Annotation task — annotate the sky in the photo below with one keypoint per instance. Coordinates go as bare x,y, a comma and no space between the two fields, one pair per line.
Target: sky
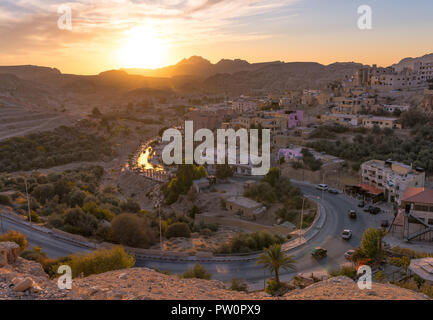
111,34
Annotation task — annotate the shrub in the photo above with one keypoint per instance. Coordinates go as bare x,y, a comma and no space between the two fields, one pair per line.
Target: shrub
347,271
178,229
198,271
244,243
402,262
13,236
5,200
132,230
78,222
272,286
239,285
98,261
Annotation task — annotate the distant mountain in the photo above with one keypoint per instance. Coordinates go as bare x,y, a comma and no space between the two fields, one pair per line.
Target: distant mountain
29,72
409,62
199,67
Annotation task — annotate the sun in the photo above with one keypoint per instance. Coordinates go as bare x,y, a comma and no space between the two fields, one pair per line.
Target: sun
142,48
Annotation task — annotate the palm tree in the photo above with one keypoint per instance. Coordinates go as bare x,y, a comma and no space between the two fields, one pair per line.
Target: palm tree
274,259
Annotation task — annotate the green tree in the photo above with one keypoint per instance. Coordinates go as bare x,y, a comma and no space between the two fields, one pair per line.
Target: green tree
132,230
274,258
371,244
198,271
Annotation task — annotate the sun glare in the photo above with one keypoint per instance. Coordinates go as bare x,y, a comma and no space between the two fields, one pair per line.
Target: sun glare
142,49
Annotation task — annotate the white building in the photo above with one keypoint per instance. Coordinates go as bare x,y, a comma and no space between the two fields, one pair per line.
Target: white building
391,177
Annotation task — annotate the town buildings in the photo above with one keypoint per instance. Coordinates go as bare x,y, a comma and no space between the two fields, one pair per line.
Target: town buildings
414,220
393,178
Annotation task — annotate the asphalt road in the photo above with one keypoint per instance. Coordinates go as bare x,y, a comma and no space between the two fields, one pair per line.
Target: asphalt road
52,246
336,206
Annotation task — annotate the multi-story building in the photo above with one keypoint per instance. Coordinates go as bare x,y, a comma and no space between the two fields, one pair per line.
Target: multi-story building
385,79
391,108
349,105
244,105
381,122
391,177
342,119
414,220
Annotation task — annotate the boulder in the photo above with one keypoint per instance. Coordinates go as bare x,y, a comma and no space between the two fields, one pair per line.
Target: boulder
9,252
24,285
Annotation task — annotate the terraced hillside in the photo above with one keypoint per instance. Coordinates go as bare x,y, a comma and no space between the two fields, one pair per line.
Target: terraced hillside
16,121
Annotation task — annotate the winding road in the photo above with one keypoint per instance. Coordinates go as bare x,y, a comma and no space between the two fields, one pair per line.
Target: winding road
329,237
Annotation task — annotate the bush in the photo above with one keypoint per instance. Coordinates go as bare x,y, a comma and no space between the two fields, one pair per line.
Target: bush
402,262
5,200
132,230
347,271
13,236
239,285
78,222
98,261
178,229
272,286
198,272
245,243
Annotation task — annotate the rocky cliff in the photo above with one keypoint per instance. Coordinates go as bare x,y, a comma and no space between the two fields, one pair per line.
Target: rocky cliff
23,279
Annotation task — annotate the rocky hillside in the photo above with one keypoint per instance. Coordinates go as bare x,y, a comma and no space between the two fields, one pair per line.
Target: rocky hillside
23,279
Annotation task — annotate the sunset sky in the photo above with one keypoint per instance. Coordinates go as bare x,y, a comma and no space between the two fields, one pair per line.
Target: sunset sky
110,34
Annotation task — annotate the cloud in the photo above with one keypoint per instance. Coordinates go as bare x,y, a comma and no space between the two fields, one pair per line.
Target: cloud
30,26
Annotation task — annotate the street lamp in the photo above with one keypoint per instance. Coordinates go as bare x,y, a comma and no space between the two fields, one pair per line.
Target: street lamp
28,203
302,217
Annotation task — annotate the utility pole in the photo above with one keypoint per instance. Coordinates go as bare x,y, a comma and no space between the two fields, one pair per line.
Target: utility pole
28,203
1,223
302,218
160,226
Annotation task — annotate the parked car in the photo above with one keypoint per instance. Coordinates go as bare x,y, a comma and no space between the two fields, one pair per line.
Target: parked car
333,191
322,187
319,252
348,254
374,210
361,204
347,234
384,224
352,214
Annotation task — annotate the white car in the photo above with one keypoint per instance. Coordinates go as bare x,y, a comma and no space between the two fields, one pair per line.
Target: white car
347,234
348,254
322,187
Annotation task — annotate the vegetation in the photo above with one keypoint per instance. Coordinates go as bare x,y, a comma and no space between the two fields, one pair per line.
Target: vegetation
5,200
416,150
274,259
178,229
346,271
238,285
371,247
51,148
402,262
13,236
198,271
181,184
250,242
131,230
96,262
308,159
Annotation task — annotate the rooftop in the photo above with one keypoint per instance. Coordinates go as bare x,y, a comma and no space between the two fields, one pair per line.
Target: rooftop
418,195
244,202
423,268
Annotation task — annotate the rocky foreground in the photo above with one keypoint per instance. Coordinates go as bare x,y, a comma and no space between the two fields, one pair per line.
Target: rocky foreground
23,279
